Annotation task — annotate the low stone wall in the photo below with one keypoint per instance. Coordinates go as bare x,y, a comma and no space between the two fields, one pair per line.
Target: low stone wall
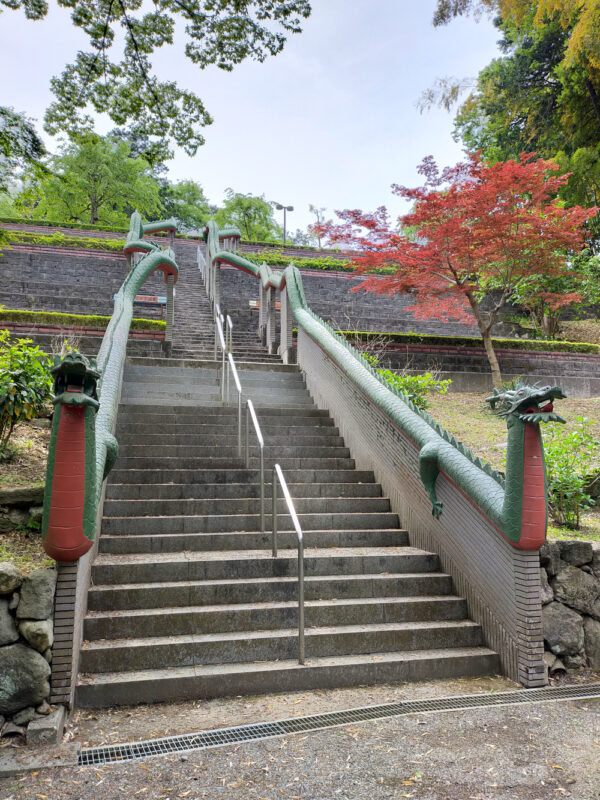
570,591
26,638
22,505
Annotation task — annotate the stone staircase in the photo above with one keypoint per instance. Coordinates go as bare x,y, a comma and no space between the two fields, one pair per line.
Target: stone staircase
186,599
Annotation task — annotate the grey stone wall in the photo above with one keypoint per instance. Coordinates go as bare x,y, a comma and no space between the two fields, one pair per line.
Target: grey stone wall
26,639
59,280
570,592
501,584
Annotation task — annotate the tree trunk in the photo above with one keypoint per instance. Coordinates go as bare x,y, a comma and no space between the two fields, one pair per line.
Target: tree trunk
486,335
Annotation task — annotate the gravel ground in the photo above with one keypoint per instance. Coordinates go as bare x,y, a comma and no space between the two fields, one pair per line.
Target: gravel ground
532,752
546,751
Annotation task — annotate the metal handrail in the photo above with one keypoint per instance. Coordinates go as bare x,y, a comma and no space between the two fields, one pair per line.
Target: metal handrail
251,414
219,333
278,476
231,367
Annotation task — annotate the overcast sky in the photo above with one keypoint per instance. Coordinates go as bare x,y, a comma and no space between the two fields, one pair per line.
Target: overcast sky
331,121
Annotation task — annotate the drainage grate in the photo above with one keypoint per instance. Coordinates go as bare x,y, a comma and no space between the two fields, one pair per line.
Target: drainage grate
93,756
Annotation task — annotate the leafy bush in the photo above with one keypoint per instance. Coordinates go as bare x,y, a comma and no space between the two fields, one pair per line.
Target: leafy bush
326,263
570,453
55,224
25,383
473,341
414,387
81,320
59,239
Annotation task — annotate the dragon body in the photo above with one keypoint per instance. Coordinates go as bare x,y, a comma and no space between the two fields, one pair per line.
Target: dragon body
83,449
515,506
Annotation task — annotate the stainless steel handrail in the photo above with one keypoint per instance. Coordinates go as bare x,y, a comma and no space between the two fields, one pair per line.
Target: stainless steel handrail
251,414
219,333
278,476
231,367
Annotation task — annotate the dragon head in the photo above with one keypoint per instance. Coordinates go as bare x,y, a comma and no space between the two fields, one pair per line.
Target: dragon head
75,380
527,403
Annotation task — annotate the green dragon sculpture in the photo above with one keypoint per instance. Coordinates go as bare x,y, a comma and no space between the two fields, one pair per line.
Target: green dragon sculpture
82,447
506,504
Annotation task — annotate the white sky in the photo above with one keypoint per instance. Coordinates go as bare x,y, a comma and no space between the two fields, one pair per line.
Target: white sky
331,121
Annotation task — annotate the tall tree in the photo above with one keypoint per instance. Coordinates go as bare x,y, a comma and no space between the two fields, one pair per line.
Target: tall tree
20,146
186,201
475,228
93,180
252,214
222,33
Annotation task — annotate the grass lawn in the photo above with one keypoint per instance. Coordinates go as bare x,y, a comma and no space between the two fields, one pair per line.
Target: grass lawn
28,467
467,417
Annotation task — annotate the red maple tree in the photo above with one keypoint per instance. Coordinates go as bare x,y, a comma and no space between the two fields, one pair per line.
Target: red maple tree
475,229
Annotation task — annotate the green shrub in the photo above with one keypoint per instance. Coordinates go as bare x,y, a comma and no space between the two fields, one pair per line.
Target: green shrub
25,383
570,453
414,387
59,239
326,263
473,341
83,320
55,224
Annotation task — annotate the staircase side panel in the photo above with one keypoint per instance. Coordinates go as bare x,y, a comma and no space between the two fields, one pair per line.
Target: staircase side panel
501,584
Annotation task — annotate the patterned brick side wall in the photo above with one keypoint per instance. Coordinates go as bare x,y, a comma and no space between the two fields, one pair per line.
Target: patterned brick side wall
501,584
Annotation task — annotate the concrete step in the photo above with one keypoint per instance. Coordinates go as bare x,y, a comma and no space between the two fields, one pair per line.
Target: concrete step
228,449
148,411
269,616
200,681
132,423
195,363
199,491
218,505
286,464
121,655
169,594
247,564
248,540
308,437
236,475
217,523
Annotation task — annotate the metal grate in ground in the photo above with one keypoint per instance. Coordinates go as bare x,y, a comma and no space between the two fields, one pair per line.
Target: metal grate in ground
94,756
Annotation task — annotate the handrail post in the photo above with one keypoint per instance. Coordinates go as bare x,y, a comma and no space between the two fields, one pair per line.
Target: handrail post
170,315
262,489
270,340
247,448
239,424
262,314
274,538
300,599
285,340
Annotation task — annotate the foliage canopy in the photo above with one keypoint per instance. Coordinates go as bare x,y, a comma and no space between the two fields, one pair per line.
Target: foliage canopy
475,228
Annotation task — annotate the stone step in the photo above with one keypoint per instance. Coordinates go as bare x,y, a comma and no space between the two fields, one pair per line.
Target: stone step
192,620
200,681
218,505
216,523
144,410
308,437
235,565
121,655
229,450
286,464
192,476
248,540
159,424
273,364
199,491
169,594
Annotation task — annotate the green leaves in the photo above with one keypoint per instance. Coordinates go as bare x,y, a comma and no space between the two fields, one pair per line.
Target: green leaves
223,33
572,454
25,383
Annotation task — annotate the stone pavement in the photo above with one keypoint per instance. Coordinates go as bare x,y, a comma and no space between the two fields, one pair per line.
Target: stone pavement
534,752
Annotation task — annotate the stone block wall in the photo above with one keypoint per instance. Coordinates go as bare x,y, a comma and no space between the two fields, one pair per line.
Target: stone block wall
26,639
570,593
501,584
59,280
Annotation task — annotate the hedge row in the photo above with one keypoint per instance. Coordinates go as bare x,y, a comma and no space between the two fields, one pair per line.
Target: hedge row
83,320
326,263
74,225
473,341
60,240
